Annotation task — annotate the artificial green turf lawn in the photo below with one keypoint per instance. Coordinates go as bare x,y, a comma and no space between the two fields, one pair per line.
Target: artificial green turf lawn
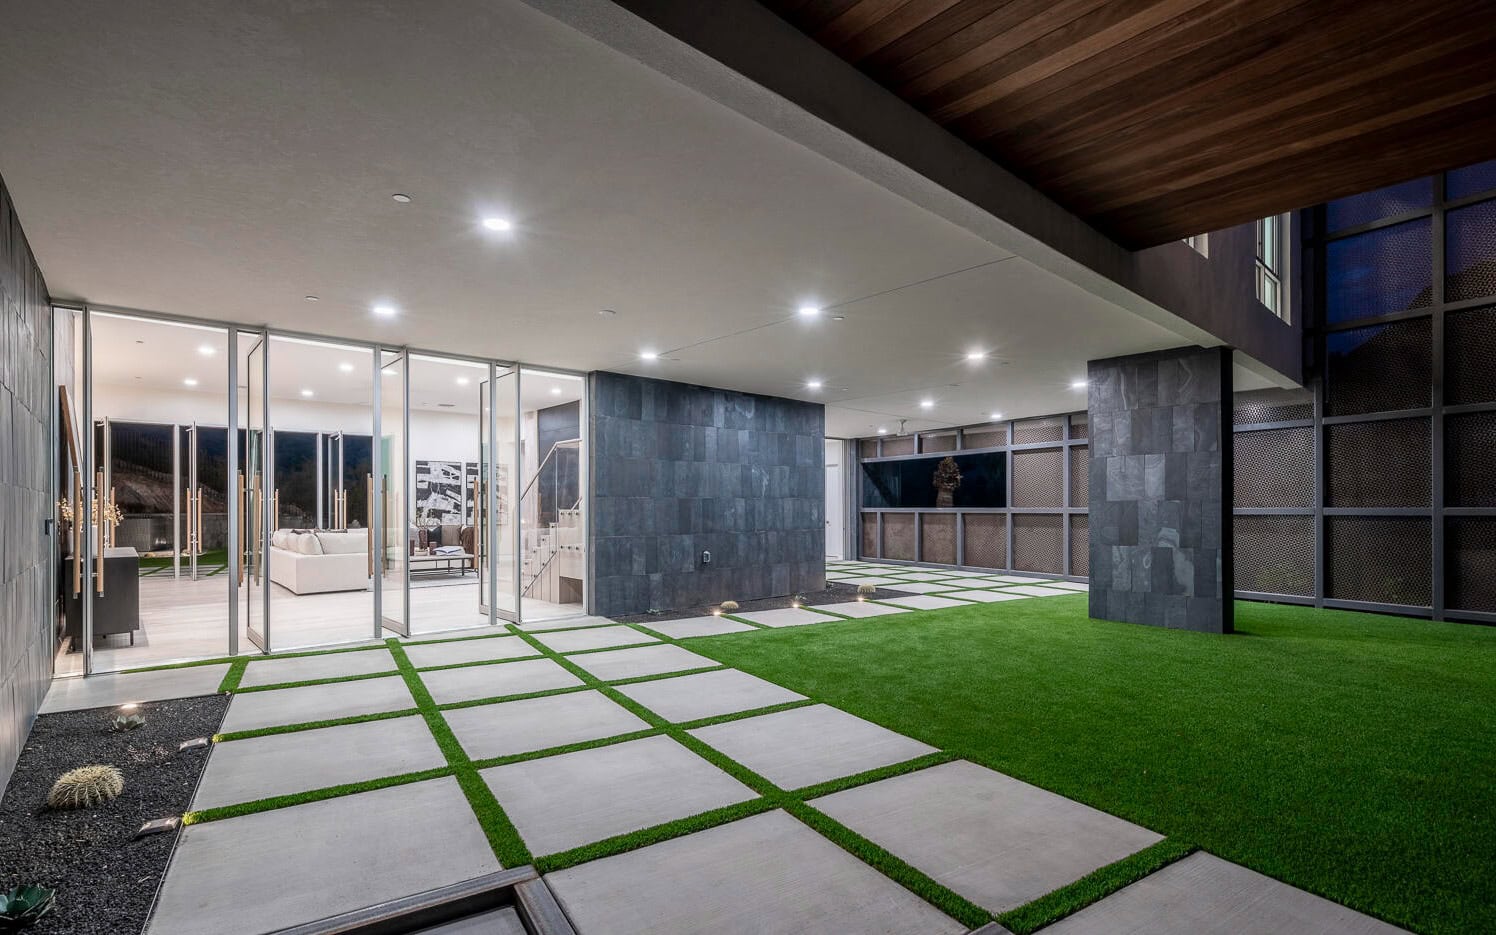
1353,755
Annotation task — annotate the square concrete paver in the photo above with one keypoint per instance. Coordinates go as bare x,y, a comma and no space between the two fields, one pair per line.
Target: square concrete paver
924,602
269,670
986,597
874,580
708,694
1071,585
448,686
458,652
804,746
641,661
697,626
1033,590
281,764
785,617
571,641
282,706
1205,895
288,866
512,727
860,609
925,576
997,841
100,691
565,623
1019,579
978,581
764,874
918,587
561,802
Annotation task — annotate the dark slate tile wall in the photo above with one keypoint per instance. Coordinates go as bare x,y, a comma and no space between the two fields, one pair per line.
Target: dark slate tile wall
1160,498
678,469
25,413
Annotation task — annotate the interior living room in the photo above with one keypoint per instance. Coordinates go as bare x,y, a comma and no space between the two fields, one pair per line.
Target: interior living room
479,496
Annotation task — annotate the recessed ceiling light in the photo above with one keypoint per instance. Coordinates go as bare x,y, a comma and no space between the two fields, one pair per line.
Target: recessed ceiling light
401,197
606,312
497,224
809,311
1078,384
975,356
463,381
555,391
310,298
927,404
189,381
995,416
306,392
346,367
207,350
385,310
882,431
838,318
649,355
813,384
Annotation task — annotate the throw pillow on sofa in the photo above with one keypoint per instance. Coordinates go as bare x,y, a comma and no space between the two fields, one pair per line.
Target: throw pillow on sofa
343,543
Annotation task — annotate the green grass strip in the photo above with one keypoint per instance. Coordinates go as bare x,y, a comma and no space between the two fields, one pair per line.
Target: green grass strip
331,680
634,840
315,795
874,775
311,725
231,678
1094,886
564,748
503,837
741,715
522,696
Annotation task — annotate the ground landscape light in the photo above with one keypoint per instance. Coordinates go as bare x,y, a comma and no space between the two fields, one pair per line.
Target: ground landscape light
401,197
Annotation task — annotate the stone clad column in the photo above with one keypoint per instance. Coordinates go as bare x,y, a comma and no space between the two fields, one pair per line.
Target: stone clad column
1161,489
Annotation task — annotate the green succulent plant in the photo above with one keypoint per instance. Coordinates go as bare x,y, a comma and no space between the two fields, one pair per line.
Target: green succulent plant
124,722
86,787
23,905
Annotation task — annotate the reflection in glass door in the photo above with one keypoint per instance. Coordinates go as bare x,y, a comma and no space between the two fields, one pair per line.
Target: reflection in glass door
394,522
255,481
503,479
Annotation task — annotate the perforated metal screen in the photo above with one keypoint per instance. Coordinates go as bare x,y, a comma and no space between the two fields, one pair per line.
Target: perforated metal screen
984,438
1383,559
1470,459
1080,475
1379,369
898,445
1080,425
1274,467
986,540
1038,542
898,536
945,441
1385,463
869,538
1470,252
937,535
1274,554
1470,562
1080,545
868,448
1470,350
1253,407
1030,431
1038,477
1378,272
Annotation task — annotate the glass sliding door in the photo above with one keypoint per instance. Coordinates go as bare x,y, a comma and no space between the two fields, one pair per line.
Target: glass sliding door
253,488
502,472
551,548
396,538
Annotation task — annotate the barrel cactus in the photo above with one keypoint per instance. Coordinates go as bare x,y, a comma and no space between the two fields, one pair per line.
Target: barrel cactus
867,589
86,787
728,607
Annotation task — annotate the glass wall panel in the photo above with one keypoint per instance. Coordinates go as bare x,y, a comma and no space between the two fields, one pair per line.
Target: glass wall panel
980,481
552,553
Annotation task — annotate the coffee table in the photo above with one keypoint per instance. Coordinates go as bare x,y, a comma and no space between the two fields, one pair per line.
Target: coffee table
454,562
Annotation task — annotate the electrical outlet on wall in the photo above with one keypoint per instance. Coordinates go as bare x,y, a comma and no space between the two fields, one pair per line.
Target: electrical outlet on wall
706,557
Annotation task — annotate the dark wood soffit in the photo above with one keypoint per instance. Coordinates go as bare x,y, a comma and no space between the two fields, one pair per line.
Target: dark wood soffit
1157,119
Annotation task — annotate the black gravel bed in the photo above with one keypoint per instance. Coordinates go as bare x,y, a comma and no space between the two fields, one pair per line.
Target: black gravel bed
104,880
835,592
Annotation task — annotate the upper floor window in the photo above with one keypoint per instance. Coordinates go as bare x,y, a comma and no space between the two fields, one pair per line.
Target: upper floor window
1199,243
1270,264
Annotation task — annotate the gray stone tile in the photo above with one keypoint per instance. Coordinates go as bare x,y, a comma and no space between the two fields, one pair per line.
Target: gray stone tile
571,641
924,602
860,609
640,661
320,859
1204,895
764,874
100,691
697,626
707,694
561,802
1032,590
448,686
512,727
280,764
919,587
785,617
986,597
282,706
270,670
804,746
926,576
461,651
997,841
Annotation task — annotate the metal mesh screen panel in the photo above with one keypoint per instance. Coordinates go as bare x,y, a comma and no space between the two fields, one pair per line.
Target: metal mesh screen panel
1080,425
1470,252
985,540
1029,431
868,448
1383,203
1080,475
898,536
937,538
1469,469
1470,563
901,445
1038,542
1274,554
1274,467
1385,270
1379,369
984,438
1378,558
1252,407
945,441
1080,545
1038,477
1471,180
1469,349
1385,463
869,539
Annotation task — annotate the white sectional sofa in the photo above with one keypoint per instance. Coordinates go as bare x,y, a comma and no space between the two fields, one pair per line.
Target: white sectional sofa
321,561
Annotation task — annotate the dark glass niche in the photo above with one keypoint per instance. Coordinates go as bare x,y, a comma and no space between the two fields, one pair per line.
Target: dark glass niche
910,483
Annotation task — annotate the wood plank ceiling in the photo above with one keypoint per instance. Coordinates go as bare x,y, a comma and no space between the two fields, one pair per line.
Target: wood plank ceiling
1157,119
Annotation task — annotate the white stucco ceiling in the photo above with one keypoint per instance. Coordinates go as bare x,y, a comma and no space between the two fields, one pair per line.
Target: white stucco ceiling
224,160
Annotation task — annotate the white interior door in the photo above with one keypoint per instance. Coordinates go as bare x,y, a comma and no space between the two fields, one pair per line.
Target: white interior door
836,516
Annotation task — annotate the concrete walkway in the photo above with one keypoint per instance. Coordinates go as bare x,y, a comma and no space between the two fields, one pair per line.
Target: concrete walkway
754,802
